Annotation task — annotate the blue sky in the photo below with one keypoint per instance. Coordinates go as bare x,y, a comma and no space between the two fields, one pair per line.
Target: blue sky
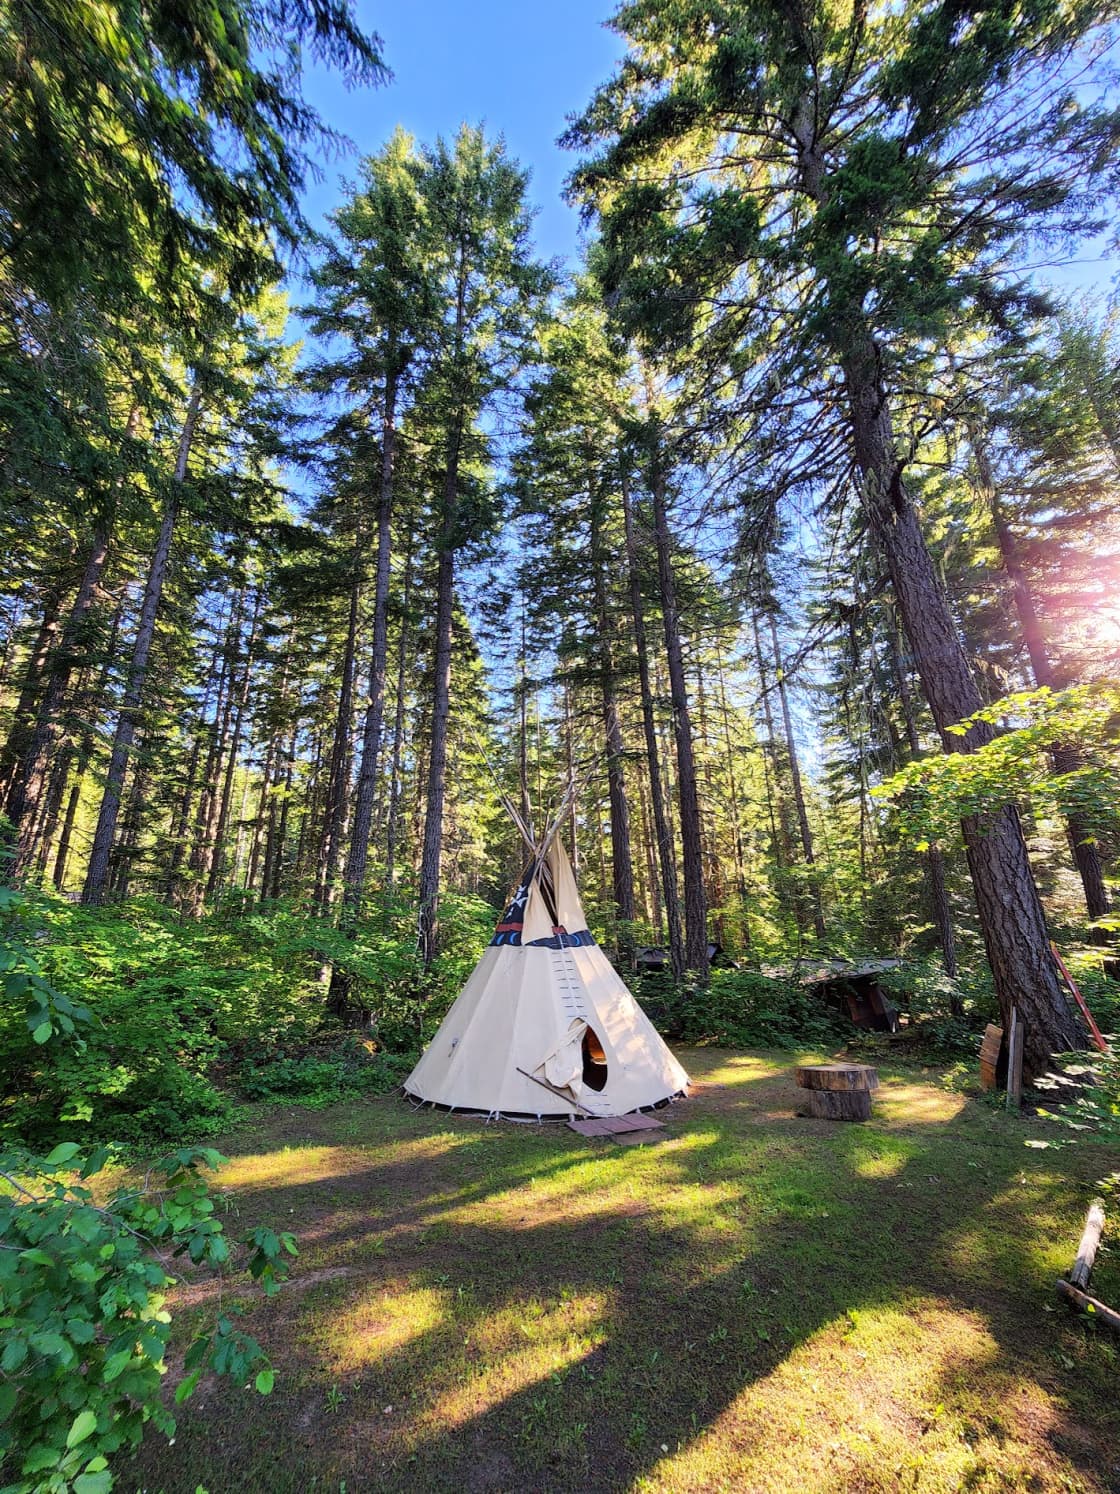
518,66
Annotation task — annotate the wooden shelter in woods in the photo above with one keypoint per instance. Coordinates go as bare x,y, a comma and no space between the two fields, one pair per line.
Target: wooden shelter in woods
545,1026
856,990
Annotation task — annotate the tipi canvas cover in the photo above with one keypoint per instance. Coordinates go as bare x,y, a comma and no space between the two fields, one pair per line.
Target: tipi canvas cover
545,1026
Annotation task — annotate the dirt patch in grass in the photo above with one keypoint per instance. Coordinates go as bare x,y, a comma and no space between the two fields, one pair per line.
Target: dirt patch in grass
751,1301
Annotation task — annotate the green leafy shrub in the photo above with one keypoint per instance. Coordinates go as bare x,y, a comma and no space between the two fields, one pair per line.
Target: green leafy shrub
741,1008
944,1015
173,1014
315,1080
82,1314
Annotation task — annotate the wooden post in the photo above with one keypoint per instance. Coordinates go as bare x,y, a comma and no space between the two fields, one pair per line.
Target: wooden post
1015,1061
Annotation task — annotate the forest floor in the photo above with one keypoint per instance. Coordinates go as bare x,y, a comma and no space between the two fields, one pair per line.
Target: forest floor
752,1301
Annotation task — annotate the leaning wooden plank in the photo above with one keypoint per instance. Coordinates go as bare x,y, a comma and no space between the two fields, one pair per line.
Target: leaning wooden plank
1087,1250
839,1105
1089,1305
838,1076
990,1046
1094,1030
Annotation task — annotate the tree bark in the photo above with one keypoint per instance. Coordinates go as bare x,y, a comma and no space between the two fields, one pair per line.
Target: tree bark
1064,756
935,861
98,870
338,776
622,870
218,852
428,930
432,844
803,826
393,830
692,850
202,847
23,717
357,861
1011,915
663,833
31,777
732,783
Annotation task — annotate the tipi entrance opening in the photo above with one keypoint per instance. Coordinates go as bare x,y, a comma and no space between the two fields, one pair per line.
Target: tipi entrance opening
594,1061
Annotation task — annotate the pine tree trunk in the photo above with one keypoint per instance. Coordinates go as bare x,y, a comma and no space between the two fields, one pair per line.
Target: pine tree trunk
428,932
338,776
781,835
1007,899
1065,757
218,854
714,883
279,851
358,860
935,862
23,716
202,849
62,855
692,850
803,827
98,870
262,822
393,831
732,783
622,871
665,850
569,753
32,773
649,847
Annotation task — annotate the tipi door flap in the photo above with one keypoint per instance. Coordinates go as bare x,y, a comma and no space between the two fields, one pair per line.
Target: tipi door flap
563,1066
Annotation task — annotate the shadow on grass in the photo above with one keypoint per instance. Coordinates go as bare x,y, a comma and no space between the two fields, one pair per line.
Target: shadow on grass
744,1304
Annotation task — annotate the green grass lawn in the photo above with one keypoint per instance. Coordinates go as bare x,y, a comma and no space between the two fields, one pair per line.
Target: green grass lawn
751,1302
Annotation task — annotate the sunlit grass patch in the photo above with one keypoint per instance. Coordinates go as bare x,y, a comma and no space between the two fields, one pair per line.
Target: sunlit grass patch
913,1104
750,1302
865,1402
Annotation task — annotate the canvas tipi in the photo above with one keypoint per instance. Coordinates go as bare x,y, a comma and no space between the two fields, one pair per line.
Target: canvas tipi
545,1026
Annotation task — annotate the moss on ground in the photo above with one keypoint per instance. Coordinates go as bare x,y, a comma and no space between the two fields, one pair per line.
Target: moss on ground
750,1302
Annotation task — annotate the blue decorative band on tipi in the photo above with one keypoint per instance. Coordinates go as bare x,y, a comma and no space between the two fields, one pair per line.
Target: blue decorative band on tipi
510,933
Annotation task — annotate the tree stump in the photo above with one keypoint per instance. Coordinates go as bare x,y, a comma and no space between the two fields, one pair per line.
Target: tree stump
838,1104
837,1091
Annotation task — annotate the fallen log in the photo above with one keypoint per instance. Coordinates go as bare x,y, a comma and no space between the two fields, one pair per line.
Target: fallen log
1089,1305
1087,1250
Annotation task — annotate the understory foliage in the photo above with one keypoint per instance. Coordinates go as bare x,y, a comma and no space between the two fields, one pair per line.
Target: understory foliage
178,1022
83,1278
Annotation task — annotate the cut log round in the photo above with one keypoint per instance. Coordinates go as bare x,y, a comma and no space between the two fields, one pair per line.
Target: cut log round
837,1076
838,1104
